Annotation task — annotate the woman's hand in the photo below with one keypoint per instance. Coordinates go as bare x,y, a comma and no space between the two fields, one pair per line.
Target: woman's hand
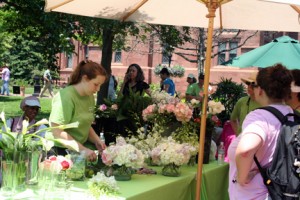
100,146
90,155
126,77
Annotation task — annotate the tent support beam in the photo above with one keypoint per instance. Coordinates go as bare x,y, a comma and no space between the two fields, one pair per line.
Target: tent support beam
296,8
59,5
212,5
140,4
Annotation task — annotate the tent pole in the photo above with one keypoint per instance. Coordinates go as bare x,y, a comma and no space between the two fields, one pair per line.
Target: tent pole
212,5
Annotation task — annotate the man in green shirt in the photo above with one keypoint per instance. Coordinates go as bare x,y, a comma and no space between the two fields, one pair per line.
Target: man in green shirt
244,105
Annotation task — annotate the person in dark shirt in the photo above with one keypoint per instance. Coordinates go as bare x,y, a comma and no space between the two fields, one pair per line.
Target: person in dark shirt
134,79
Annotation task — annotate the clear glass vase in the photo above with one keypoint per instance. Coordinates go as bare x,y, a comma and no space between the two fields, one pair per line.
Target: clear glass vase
33,159
171,170
122,173
77,171
7,173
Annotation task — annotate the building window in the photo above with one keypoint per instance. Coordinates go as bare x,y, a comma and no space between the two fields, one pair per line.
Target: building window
165,58
229,53
233,51
221,56
69,60
86,51
118,56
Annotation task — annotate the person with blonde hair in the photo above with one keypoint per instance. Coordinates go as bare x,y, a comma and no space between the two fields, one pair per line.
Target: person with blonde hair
260,131
76,103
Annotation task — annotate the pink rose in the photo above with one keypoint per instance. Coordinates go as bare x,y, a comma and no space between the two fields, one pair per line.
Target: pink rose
102,107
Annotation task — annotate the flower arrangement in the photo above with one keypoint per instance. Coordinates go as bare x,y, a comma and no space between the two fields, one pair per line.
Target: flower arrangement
166,108
146,142
122,154
171,152
106,111
56,164
100,185
178,71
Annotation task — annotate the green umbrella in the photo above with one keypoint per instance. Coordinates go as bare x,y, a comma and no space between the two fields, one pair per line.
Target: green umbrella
284,50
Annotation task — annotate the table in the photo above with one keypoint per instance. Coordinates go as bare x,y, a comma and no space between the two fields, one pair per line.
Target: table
156,187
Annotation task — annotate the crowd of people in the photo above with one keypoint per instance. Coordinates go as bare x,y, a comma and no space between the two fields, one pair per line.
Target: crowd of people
256,129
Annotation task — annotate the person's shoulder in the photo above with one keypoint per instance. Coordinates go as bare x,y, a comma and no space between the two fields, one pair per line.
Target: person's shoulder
243,99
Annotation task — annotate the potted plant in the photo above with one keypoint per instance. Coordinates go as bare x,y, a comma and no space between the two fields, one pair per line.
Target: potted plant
20,84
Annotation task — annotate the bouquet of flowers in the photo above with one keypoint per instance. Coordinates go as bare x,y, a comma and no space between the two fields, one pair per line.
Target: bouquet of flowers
146,142
166,108
100,185
56,164
171,152
122,154
106,111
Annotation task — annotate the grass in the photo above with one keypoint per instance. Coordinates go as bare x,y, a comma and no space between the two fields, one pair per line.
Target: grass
11,105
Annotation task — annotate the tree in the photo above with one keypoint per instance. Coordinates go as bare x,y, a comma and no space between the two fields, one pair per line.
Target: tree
195,53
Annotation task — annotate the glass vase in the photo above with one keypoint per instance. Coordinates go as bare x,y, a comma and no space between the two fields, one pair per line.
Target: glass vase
19,171
122,173
7,173
192,161
33,160
171,170
77,171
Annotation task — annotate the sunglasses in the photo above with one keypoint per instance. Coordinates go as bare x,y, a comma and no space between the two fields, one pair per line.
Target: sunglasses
252,84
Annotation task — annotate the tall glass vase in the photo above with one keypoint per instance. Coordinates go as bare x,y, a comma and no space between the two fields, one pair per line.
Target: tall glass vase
33,158
7,172
19,171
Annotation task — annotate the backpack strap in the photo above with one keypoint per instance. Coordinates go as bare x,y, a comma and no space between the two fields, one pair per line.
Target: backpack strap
275,112
282,119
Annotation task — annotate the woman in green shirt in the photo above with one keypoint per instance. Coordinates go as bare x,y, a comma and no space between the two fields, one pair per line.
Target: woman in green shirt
76,103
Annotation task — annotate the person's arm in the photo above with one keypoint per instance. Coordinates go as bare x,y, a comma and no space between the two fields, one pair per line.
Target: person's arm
94,138
190,97
166,87
246,149
234,124
62,134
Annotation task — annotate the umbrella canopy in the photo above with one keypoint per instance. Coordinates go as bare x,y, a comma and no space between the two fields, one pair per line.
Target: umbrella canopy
283,50
238,14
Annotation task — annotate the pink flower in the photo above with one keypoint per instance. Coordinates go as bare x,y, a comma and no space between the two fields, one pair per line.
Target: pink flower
114,107
106,159
148,111
102,107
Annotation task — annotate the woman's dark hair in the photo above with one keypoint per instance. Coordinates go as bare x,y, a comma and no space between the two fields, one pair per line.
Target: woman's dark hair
164,71
140,74
296,78
89,68
275,81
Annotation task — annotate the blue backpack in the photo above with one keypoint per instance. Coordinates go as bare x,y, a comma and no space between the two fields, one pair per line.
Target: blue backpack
282,177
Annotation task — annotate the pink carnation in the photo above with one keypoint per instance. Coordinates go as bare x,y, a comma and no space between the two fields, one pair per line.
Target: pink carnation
102,107
148,111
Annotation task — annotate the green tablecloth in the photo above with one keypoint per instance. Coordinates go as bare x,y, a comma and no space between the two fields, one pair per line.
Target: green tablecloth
156,187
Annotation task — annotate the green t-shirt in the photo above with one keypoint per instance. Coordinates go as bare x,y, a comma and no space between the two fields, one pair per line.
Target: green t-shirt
194,90
242,107
68,106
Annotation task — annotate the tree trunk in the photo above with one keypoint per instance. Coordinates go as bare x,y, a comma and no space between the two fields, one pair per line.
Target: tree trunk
107,38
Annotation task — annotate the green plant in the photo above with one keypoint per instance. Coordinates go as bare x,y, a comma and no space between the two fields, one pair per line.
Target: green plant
228,93
21,82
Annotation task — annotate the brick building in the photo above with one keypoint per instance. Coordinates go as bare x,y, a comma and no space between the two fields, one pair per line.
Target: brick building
140,55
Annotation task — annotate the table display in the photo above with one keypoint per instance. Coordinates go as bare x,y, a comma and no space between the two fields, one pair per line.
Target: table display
149,187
